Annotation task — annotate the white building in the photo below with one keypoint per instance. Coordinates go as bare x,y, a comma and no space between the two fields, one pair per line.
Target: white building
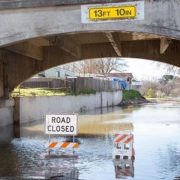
56,72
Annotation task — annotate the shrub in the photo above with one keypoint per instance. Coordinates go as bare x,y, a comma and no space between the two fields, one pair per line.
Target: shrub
131,94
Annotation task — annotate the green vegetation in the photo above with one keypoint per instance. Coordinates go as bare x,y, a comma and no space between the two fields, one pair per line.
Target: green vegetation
131,95
151,93
84,91
37,92
47,92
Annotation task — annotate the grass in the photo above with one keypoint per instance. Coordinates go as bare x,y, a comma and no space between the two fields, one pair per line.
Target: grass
84,91
131,95
47,92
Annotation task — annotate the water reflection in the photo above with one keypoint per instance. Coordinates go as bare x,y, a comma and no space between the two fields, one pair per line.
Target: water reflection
112,120
62,174
6,134
124,168
155,129
123,154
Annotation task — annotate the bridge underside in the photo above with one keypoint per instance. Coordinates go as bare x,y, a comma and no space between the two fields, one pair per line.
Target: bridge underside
38,34
22,60
35,39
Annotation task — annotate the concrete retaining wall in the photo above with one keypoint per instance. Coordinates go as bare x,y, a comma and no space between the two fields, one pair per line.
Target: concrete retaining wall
35,108
6,112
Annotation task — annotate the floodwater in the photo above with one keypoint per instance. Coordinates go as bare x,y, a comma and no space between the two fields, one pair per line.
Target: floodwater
156,130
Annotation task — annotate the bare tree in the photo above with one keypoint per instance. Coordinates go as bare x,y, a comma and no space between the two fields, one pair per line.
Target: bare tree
147,85
97,66
170,69
166,86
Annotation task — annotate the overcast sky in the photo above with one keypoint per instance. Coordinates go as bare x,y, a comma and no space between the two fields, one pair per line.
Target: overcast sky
145,69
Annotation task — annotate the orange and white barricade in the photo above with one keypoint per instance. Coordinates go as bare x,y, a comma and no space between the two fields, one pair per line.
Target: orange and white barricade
123,146
55,144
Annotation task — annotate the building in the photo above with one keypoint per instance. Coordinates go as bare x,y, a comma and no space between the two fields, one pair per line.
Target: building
56,72
124,76
136,84
55,77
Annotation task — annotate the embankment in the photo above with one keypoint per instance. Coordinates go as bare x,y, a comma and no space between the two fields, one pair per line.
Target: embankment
6,111
132,97
36,108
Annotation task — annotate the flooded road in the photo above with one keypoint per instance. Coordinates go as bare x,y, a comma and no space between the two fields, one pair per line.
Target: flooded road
156,130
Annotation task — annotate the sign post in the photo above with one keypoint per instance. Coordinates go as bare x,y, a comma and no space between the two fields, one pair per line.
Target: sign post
63,125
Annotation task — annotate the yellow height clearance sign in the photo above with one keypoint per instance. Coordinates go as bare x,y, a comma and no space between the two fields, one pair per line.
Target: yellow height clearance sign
117,12
111,12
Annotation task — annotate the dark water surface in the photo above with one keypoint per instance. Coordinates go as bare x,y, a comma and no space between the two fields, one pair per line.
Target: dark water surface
156,129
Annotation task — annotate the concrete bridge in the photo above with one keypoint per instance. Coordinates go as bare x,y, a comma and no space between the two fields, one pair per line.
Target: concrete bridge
38,34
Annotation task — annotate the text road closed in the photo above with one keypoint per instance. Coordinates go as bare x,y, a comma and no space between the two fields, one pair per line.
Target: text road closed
61,124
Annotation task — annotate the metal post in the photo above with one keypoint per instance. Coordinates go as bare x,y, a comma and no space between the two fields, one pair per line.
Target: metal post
49,140
73,143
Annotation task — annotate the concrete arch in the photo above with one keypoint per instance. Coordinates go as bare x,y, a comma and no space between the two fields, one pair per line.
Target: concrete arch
36,22
35,39
22,66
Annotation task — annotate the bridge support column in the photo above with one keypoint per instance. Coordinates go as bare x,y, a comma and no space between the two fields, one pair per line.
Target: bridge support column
6,111
6,104
4,87
1,76
16,117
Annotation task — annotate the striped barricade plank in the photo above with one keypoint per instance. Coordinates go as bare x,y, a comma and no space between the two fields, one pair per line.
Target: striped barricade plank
55,144
52,144
123,138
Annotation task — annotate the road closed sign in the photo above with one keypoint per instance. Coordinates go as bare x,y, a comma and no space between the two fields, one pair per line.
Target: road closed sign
61,124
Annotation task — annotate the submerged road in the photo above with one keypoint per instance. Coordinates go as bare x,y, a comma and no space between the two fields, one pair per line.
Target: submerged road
156,143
